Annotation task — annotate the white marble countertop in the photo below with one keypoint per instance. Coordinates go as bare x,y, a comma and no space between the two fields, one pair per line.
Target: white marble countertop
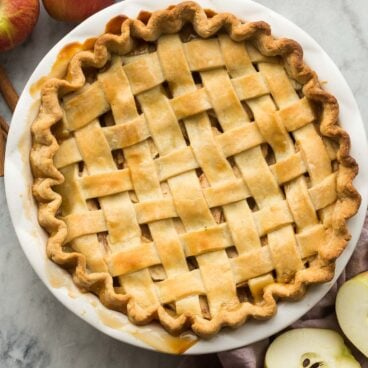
36,330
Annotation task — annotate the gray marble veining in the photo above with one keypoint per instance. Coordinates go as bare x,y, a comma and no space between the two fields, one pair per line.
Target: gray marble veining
36,331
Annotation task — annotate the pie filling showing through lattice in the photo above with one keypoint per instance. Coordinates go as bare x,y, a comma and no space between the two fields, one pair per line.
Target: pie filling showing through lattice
195,174
198,186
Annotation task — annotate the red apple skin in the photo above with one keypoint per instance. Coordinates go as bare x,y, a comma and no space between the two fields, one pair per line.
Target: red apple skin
17,20
74,11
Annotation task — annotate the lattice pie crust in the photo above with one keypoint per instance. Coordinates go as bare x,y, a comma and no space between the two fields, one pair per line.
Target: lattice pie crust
191,170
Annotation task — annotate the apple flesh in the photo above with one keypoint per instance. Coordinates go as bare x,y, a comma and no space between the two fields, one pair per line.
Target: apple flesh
352,311
74,11
17,20
309,348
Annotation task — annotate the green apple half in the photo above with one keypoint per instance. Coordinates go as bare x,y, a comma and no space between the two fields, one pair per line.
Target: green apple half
352,311
309,348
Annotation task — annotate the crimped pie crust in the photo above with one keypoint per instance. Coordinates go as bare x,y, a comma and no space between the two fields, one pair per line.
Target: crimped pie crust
315,175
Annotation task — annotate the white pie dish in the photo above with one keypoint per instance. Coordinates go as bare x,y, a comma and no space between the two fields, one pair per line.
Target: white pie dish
23,210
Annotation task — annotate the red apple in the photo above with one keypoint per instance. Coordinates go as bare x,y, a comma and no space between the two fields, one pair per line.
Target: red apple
17,19
74,10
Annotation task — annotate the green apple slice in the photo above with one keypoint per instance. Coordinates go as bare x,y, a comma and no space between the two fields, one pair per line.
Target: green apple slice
352,311
309,348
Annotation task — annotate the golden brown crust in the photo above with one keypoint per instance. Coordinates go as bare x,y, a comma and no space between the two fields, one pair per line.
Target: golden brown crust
46,175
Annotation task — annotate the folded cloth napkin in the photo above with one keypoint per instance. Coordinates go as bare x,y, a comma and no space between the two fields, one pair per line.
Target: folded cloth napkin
321,316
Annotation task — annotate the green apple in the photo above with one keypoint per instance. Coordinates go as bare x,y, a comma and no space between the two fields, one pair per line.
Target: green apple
352,311
309,348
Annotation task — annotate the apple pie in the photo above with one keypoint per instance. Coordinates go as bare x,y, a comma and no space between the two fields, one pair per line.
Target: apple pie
190,169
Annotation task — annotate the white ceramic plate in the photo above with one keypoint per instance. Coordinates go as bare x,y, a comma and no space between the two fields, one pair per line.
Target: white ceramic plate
32,239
